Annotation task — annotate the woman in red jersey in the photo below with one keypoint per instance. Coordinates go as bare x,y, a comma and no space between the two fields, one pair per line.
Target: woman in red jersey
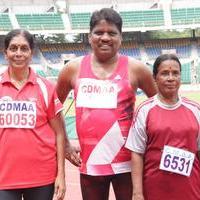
164,140
32,132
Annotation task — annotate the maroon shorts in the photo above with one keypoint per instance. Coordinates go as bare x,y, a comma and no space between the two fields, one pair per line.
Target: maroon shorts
97,187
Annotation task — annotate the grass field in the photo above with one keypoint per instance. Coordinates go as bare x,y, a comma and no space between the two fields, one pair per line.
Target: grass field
193,95
70,111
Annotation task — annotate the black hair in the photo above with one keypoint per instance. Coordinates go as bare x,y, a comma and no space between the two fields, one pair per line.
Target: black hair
15,32
108,14
163,58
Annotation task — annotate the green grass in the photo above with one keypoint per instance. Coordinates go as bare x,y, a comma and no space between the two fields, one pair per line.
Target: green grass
192,95
69,109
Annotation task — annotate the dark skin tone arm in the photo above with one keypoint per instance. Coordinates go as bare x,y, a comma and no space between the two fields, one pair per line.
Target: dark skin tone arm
66,79
65,84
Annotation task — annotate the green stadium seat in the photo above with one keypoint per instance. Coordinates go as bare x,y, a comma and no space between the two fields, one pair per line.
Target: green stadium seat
185,16
80,20
48,21
145,18
5,23
186,73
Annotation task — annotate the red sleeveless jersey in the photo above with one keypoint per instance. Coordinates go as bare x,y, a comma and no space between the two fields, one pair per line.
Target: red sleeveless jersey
104,112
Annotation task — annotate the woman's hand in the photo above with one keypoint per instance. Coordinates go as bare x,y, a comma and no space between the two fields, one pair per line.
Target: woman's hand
60,187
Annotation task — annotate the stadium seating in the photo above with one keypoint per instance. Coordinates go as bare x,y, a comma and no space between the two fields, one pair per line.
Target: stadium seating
130,49
144,18
186,73
198,46
5,23
80,20
185,16
2,59
155,48
53,52
198,72
46,21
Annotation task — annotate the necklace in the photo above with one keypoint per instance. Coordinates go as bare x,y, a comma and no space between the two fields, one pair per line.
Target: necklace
18,83
18,79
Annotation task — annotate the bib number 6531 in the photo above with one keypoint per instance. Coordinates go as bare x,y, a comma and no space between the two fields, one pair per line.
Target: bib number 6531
177,160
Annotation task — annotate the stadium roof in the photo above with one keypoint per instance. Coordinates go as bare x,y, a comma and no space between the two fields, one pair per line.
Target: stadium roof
7,3
77,2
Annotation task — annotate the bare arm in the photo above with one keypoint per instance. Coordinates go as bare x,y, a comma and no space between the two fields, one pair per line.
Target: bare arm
58,127
65,84
137,175
66,79
141,77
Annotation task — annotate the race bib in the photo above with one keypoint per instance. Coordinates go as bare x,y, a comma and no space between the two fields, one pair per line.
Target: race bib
177,160
17,114
97,94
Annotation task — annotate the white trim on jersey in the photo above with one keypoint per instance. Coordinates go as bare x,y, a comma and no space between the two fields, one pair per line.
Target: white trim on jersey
195,108
121,167
44,90
137,136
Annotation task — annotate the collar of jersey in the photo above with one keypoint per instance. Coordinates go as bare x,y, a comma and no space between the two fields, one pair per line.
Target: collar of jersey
168,106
